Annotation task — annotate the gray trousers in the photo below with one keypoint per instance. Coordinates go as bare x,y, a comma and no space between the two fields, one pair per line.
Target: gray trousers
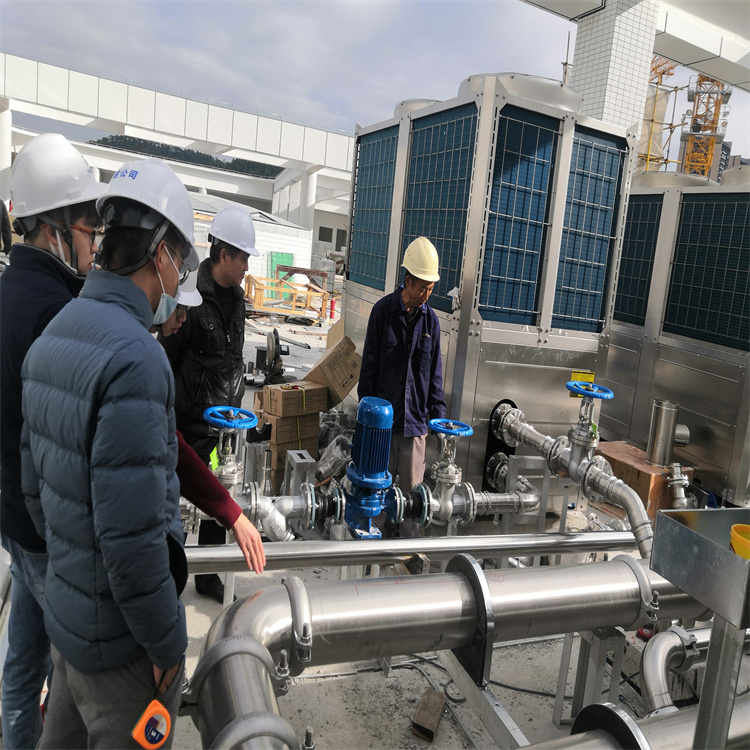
407,460
100,709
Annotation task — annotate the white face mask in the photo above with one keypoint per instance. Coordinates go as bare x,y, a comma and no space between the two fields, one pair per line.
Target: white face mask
167,303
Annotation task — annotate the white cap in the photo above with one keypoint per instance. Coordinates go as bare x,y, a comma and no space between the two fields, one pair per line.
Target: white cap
187,292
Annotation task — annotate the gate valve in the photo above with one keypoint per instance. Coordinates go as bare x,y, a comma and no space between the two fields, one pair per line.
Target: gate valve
448,432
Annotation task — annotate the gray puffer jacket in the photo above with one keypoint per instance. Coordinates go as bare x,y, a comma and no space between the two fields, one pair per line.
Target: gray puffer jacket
98,457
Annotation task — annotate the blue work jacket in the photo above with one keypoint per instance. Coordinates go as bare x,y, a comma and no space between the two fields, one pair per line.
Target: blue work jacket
411,379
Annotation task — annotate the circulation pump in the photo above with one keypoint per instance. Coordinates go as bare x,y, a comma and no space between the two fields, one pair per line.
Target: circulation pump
370,490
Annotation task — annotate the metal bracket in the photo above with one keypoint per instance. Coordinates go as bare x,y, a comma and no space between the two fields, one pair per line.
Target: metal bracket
255,724
649,598
476,658
613,720
236,645
301,624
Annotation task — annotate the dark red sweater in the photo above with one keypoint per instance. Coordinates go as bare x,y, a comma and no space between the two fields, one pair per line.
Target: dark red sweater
199,485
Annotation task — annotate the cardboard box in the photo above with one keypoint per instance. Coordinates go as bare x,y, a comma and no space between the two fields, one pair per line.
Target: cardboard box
650,482
335,333
257,402
286,429
295,399
279,451
338,370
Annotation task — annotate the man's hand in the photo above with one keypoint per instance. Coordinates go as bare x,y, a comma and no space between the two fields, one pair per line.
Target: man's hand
163,678
249,541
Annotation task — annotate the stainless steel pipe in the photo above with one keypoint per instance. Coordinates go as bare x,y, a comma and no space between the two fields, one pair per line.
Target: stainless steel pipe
672,731
661,433
670,650
282,555
370,618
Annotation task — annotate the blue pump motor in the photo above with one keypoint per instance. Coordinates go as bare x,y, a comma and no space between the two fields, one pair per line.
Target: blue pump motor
368,470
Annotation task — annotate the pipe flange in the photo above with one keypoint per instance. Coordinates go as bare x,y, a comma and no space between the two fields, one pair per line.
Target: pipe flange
649,597
400,503
597,462
510,416
559,447
301,624
235,645
254,724
613,720
496,420
339,503
307,491
250,493
425,517
467,490
497,470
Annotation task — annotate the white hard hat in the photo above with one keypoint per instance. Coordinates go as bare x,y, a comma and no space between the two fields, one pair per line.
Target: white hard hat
153,184
234,226
187,292
421,260
50,173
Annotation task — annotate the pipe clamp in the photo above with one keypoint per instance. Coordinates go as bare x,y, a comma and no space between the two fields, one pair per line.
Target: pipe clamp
301,624
649,597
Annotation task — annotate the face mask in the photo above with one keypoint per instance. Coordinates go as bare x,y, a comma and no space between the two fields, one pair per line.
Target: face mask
167,303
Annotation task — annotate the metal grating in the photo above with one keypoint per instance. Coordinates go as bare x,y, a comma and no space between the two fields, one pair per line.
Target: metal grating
372,207
588,235
637,260
437,195
518,216
709,295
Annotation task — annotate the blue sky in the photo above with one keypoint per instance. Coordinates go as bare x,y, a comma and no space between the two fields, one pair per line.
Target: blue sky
326,64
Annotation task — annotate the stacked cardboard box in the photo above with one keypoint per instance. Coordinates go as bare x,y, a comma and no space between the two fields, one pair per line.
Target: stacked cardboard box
293,411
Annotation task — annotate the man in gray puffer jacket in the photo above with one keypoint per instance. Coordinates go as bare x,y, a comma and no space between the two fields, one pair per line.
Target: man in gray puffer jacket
98,456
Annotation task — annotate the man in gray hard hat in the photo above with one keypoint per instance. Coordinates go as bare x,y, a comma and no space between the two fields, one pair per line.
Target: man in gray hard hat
401,364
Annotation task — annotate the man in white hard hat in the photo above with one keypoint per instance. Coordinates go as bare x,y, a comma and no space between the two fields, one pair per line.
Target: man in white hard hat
99,452
198,484
54,192
401,364
206,353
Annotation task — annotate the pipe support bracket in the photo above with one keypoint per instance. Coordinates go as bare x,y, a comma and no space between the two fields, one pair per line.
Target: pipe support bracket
302,638
235,645
255,724
613,720
649,597
476,658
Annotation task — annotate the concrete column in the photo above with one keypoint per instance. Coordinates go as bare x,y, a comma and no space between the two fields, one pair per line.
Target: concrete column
6,147
612,60
308,188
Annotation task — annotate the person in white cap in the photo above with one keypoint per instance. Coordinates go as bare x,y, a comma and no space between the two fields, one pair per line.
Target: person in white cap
54,194
401,364
197,482
98,453
206,352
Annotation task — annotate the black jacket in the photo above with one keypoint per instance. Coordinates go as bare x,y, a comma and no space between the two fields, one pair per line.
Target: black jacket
206,356
6,233
33,289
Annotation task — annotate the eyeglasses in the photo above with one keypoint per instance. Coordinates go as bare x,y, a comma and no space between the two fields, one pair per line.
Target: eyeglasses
93,233
183,273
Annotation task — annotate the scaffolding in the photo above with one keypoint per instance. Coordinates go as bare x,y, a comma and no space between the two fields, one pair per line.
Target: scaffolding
653,150
707,123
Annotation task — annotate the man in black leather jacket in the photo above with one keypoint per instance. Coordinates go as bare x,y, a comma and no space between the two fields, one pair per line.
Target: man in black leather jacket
206,353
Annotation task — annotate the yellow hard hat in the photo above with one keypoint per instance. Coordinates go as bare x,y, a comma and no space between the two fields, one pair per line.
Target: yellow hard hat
421,260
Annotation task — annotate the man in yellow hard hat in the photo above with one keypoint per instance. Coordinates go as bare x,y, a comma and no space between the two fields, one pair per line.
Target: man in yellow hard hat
401,364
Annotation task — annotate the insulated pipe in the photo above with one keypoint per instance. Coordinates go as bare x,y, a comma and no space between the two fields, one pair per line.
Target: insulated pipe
670,650
673,731
283,555
380,617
